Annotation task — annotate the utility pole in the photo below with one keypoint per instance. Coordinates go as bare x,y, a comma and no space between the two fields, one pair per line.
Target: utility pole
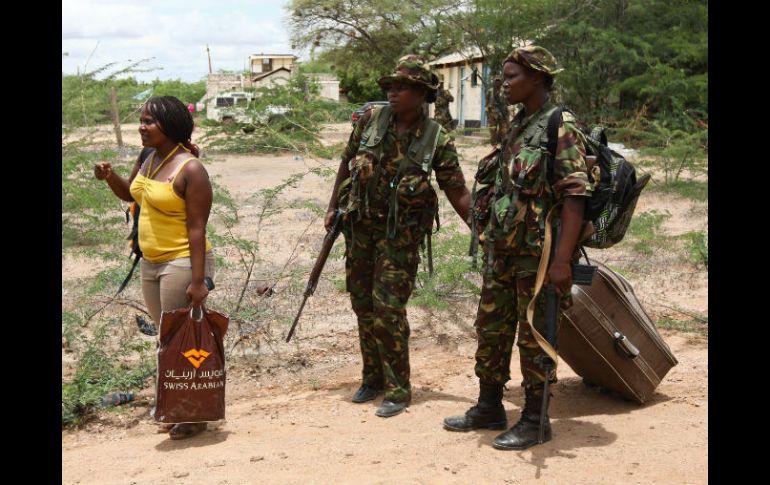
209,54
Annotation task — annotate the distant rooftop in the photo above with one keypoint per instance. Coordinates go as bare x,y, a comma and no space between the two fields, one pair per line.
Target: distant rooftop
458,57
272,55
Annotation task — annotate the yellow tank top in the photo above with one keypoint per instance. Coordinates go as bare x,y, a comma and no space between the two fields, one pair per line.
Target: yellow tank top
162,219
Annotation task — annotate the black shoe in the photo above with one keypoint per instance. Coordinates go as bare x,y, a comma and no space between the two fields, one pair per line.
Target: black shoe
390,408
524,434
478,417
365,393
146,327
488,413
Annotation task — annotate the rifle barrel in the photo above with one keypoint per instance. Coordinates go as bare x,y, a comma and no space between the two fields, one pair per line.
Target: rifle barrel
315,273
296,319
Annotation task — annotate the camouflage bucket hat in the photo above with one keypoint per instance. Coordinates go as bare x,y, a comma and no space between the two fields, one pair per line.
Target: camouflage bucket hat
535,57
411,69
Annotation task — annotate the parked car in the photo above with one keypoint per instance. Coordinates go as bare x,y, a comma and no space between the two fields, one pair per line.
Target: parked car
360,111
236,107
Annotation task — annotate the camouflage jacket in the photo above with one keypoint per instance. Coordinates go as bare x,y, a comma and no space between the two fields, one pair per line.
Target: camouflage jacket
496,104
518,230
442,101
373,187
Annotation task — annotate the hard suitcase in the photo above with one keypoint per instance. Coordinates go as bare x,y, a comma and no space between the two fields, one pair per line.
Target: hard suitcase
607,338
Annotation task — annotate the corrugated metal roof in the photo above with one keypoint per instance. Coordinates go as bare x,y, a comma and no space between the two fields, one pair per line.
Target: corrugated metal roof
458,57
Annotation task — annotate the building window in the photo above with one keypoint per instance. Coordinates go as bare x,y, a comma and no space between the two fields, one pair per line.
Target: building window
267,65
475,77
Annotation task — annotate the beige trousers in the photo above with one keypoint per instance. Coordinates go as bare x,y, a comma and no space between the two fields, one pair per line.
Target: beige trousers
164,285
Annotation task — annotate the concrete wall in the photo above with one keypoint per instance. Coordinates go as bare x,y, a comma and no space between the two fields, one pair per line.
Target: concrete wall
280,78
217,83
329,84
470,113
278,62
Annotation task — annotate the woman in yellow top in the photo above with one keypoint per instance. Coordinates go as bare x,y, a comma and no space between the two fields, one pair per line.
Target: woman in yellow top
174,193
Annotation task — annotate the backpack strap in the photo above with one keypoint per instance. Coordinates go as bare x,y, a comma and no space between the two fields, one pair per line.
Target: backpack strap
552,133
145,154
130,273
133,209
372,138
423,148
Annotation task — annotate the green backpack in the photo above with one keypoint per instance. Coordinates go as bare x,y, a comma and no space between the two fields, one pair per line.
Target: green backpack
608,210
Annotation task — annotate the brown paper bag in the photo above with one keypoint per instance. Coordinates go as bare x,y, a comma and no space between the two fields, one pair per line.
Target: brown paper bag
191,367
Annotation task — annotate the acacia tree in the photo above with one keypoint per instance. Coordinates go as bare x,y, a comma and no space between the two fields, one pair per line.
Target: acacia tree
364,38
623,58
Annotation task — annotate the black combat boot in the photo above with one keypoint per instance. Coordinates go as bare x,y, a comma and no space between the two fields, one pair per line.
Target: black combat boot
365,393
488,413
525,433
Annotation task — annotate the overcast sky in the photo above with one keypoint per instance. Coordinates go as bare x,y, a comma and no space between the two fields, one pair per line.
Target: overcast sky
174,32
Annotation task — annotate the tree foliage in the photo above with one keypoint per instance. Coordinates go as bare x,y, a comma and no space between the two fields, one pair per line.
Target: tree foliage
86,96
363,39
622,59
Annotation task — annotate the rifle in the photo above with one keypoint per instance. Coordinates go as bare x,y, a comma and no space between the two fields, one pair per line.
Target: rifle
551,315
312,282
582,274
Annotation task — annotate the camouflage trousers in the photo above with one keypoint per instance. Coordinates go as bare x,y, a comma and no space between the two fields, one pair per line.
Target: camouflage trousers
380,278
508,286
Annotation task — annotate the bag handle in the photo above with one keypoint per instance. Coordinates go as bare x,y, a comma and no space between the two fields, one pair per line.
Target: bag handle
201,308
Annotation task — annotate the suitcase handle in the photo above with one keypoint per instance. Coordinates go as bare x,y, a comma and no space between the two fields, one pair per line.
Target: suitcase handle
625,345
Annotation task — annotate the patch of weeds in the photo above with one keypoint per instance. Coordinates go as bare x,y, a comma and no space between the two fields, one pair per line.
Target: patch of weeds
451,273
338,250
105,255
646,231
622,271
88,230
697,244
308,204
327,152
88,205
689,189
108,280
325,172
71,324
101,371
339,283
689,326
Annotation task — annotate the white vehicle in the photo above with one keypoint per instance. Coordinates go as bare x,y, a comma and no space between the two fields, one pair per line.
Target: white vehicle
232,106
229,106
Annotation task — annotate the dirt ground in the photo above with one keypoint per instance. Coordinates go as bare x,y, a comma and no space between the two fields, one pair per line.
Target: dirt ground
289,418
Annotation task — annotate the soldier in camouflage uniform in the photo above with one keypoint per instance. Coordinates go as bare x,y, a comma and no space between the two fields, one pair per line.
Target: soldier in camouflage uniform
441,107
497,112
383,187
513,241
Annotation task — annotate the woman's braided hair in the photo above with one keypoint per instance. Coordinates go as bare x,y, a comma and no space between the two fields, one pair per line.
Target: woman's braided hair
174,120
